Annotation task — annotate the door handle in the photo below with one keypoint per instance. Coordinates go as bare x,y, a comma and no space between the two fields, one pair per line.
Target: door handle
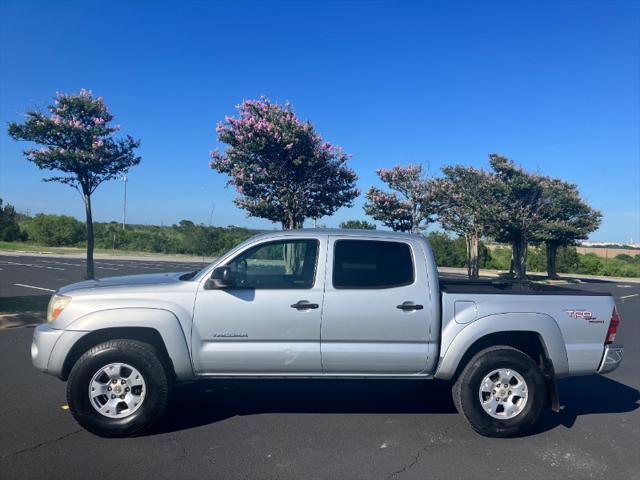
407,306
304,305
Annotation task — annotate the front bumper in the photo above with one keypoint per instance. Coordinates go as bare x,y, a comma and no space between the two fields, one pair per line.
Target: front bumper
50,347
44,339
611,358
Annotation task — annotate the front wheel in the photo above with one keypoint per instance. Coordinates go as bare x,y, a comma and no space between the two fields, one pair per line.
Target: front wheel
501,392
118,388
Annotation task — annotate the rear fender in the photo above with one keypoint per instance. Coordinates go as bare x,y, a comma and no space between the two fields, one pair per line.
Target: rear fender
543,325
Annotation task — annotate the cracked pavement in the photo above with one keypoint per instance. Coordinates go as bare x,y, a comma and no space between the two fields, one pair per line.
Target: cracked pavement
324,429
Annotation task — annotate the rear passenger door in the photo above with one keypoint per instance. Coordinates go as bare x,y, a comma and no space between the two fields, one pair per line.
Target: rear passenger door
375,318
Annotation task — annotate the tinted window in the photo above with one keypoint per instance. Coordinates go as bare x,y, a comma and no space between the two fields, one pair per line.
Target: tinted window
371,264
283,264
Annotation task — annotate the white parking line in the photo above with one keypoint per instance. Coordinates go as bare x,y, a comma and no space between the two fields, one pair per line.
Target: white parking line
629,296
132,266
34,287
79,265
31,265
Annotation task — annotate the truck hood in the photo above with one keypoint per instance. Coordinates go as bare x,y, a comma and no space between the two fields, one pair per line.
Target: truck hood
144,279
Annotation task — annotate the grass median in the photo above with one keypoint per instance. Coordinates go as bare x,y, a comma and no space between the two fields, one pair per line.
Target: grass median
23,311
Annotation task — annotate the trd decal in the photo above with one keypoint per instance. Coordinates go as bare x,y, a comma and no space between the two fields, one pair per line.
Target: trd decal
583,314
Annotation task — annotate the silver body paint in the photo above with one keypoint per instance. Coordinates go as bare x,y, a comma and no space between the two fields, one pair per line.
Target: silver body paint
353,333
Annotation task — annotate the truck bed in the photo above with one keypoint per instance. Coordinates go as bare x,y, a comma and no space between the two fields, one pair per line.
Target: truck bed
506,287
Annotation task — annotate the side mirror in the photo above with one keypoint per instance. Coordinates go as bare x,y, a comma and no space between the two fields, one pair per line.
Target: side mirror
220,278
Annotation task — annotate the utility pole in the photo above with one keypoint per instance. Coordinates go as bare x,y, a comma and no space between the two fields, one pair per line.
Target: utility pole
124,206
213,207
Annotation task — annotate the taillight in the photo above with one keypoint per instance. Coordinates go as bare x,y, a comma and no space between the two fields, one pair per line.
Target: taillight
613,327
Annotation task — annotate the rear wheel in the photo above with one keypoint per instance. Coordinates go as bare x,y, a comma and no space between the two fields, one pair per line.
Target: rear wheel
118,388
501,392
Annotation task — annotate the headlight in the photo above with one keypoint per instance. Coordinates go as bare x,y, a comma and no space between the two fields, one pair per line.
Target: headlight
56,305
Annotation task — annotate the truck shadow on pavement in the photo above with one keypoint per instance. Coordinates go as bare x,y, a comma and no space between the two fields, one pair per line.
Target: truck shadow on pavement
590,395
212,401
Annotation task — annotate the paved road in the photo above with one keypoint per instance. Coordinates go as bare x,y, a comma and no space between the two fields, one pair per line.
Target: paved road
318,429
22,275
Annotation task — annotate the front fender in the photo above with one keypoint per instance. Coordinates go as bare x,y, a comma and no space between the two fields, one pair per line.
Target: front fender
544,325
163,321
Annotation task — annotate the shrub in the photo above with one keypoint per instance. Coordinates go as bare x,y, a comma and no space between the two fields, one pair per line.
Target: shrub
500,259
590,264
452,252
358,224
55,230
567,260
9,229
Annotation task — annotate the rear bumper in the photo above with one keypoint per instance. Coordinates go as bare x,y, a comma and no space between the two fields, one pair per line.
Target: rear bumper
611,358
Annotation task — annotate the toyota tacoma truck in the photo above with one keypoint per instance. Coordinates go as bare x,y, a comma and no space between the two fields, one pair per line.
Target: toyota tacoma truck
322,304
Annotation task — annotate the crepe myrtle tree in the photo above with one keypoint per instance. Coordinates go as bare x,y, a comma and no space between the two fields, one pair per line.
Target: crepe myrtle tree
568,219
409,206
464,199
520,209
282,168
78,140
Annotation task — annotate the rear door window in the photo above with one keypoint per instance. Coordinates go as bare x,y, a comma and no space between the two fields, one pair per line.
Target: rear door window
371,264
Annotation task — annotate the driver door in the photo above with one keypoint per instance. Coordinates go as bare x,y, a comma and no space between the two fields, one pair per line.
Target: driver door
268,320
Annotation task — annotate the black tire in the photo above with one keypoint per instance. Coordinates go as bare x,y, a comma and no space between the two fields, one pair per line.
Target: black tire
144,358
466,391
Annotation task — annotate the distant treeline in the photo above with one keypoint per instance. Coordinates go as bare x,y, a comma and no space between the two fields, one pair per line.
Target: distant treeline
182,238
193,239
451,252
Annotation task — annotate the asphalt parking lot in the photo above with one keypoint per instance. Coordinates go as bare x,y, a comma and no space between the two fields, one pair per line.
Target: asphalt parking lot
23,275
309,429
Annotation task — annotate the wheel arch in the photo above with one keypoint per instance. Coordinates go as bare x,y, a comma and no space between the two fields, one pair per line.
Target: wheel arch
537,335
159,328
96,337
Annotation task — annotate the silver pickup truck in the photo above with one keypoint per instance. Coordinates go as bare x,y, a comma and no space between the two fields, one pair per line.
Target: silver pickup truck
322,304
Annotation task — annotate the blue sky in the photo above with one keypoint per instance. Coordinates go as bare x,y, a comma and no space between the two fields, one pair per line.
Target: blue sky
554,86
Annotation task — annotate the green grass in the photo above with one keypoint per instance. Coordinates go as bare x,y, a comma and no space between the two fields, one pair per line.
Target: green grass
570,262
32,247
30,303
35,248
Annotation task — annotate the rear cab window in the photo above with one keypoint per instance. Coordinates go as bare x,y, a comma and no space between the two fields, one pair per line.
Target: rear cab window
372,264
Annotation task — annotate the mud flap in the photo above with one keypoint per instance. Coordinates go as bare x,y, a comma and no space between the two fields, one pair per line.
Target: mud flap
552,386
